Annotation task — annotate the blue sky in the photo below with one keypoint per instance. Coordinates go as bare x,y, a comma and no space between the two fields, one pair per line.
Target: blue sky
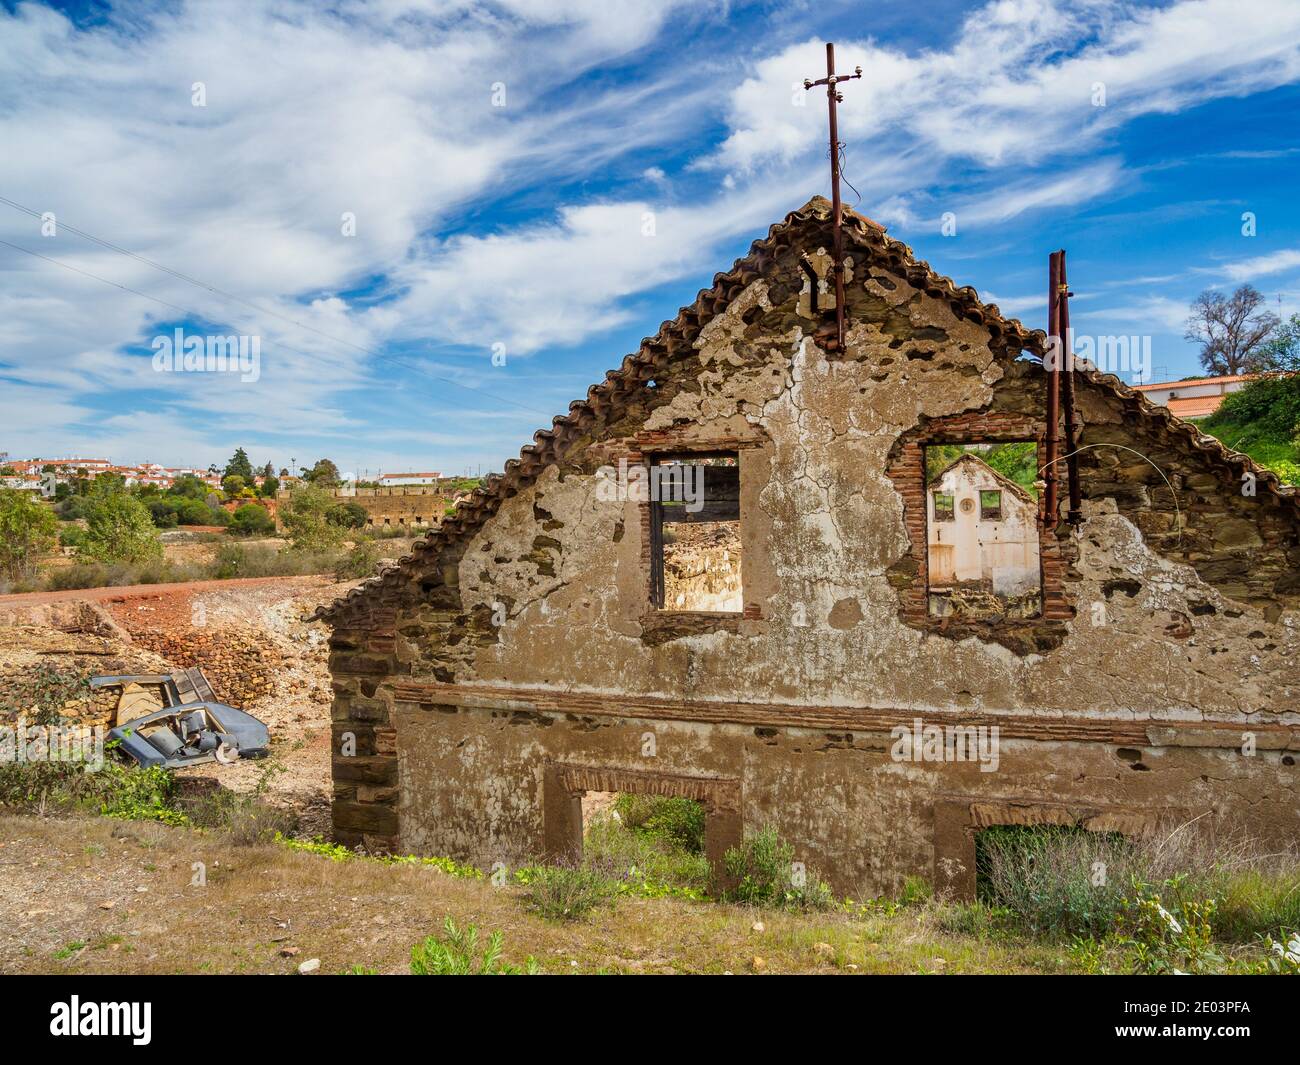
551,179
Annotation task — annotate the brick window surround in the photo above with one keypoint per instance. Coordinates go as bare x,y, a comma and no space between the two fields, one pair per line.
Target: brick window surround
907,471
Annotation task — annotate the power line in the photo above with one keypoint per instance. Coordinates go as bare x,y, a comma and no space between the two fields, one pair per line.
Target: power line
238,299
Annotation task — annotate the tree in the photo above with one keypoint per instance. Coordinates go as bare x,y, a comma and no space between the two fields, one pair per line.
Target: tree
324,474
270,486
1230,330
1281,351
28,529
233,483
305,518
349,515
119,529
239,466
189,487
251,520
163,513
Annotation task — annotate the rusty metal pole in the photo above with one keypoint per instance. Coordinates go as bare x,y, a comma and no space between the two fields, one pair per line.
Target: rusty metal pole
1075,514
1053,367
833,97
837,236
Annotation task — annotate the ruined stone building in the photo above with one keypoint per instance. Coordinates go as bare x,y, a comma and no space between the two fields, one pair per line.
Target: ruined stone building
554,637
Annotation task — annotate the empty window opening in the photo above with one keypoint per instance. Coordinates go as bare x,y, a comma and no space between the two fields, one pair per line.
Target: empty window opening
695,554
982,537
990,504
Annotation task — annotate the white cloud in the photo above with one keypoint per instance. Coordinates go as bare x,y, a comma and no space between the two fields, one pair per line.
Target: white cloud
1017,84
385,110
1262,265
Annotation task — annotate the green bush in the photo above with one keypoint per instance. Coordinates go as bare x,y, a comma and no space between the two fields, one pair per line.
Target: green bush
28,530
251,520
163,513
119,529
306,519
678,821
1067,882
128,792
457,954
1059,880
361,561
567,892
645,864
765,873
349,515
1165,941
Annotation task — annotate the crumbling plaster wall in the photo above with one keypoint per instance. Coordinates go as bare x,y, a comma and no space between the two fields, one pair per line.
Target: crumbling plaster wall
825,530
1171,622
475,780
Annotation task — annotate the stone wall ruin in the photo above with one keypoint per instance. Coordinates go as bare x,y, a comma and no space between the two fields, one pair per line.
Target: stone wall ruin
516,654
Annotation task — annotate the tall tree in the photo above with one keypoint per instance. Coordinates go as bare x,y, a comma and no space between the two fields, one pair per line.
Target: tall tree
1230,330
239,466
1281,351
324,474
28,529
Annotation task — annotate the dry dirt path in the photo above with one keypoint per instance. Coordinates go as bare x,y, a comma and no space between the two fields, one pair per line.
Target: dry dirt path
114,593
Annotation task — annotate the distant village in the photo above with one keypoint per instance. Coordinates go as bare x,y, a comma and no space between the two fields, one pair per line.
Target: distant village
44,475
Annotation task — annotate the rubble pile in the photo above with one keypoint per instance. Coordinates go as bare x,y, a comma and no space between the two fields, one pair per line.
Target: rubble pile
44,674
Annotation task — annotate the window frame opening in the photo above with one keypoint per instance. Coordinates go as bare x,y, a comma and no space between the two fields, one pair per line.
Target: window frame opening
723,509
976,569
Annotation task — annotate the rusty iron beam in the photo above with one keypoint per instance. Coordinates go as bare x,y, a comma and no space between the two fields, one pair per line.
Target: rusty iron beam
1053,367
1075,513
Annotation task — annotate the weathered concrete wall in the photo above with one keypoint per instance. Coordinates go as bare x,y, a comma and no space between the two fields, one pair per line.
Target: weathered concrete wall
474,784
530,644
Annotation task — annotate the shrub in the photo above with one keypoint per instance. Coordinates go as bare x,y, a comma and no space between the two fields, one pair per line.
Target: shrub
1165,941
349,515
1059,880
567,892
1069,882
647,865
251,520
361,561
306,519
766,874
28,530
131,793
456,954
119,529
678,821
244,818
163,513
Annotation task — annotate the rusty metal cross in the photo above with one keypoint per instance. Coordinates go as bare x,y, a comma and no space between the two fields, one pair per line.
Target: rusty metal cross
834,97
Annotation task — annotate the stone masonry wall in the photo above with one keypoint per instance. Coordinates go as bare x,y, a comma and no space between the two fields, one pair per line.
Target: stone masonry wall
1169,631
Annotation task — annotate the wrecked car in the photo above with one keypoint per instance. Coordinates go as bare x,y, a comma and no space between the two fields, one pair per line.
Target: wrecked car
174,720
